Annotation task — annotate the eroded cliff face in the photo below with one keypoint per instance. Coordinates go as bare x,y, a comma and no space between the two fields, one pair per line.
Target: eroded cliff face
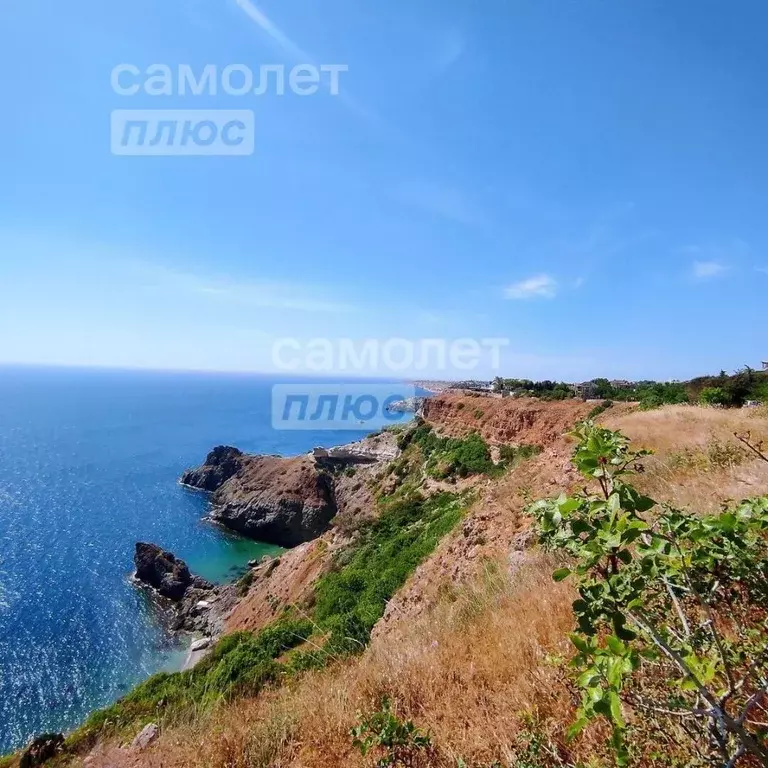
504,420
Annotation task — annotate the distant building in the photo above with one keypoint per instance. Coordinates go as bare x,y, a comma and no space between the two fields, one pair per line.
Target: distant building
586,389
473,385
621,384
765,365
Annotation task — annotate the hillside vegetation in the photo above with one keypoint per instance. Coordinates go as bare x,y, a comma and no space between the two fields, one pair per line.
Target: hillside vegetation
723,390
438,637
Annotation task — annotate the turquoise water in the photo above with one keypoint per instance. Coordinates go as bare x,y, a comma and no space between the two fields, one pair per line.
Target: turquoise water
89,464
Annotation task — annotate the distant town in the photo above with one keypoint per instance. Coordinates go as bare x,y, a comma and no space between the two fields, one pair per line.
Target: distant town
745,387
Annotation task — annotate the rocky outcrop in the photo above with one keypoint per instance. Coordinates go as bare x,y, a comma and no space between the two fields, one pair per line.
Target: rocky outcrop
277,500
185,602
146,736
166,573
284,501
370,450
222,463
42,749
280,501
409,405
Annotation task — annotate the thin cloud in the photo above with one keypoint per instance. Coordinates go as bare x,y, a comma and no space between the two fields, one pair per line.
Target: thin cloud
284,42
299,55
448,52
706,270
712,260
764,270
265,294
442,200
536,287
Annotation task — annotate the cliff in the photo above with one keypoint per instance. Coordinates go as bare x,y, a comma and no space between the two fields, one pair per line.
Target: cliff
504,420
269,498
287,501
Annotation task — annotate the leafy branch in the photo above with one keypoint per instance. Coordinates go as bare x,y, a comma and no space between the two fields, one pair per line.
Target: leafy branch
672,608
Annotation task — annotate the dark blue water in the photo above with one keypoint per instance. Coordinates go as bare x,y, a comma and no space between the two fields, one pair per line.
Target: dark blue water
89,463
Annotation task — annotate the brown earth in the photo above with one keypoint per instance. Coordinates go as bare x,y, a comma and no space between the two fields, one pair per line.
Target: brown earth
504,420
495,527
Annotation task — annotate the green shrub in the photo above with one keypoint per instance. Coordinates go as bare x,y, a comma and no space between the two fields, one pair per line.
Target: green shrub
714,396
239,664
449,456
244,582
351,599
598,409
396,741
511,455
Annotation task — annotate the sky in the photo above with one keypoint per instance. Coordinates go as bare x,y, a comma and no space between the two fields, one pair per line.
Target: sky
587,180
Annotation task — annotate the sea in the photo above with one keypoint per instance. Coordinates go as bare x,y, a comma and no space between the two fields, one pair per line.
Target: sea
89,465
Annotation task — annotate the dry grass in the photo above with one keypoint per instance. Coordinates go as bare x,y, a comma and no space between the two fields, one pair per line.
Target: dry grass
698,463
479,673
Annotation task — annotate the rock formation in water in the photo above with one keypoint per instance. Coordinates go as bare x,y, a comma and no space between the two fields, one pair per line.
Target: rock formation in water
190,603
166,573
221,463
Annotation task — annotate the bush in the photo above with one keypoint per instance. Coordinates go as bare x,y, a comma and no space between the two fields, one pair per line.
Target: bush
598,409
239,664
448,456
714,396
511,455
350,600
397,742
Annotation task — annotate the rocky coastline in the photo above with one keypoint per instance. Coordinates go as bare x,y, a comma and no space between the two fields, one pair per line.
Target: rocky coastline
187,603
409,405
288,501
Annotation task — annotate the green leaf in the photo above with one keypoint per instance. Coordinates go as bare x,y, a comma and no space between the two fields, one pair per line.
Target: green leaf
579,642
615,705
576,728
616,645
569,505
561,573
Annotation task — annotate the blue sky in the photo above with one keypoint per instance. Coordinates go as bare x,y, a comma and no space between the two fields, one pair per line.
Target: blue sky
586,179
